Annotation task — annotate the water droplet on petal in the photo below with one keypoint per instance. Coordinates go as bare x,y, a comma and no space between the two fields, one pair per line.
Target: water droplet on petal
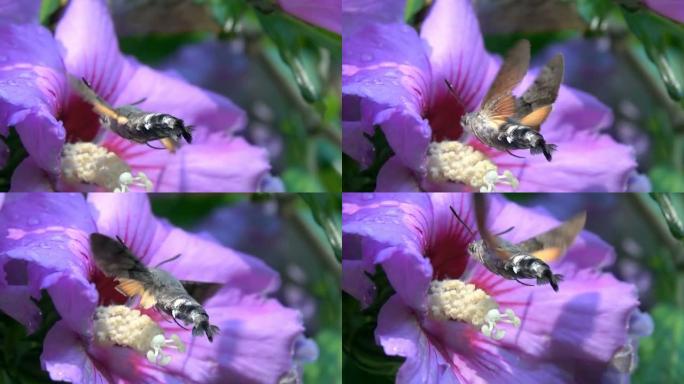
367,196
366,57
32,221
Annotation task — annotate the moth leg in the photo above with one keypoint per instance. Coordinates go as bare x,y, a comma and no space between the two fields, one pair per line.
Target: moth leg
163,314
519,157
505,231
176,321
529,285
153,147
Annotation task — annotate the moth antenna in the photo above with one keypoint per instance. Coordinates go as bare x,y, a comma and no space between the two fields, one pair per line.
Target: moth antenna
452,92
153,147
460,220
505,231
168,260
139,101
121,241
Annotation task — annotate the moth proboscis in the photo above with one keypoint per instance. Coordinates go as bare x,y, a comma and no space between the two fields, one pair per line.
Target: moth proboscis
155,287
527,259
506,122
132,123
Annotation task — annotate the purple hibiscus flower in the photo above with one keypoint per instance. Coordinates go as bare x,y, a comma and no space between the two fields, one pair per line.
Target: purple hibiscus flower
673,9
67,147
395,78
44,245
323,13
454,321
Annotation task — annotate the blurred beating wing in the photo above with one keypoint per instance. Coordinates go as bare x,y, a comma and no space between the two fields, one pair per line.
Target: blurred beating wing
534,104
100,106
115,260
550,245
488,238
499,101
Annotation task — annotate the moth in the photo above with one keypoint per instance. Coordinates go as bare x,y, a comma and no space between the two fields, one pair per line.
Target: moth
132,123
524,260
506,122
155,287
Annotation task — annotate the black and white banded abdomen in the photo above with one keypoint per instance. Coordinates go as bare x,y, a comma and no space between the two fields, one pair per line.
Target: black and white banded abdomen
517,136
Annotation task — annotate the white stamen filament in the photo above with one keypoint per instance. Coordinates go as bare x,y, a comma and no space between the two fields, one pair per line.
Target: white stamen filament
457,162
92,164
456,300
123,326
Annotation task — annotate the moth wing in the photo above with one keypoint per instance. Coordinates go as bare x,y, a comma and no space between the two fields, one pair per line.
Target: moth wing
492,242
512,71
550,245
114,259
544,90
131,288
535,118
100,106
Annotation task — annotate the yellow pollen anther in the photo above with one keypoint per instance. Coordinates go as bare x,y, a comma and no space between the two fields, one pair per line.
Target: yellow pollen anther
457,162
123,326
456,300
92,164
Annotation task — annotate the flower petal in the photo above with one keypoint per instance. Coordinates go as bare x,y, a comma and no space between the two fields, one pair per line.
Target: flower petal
212,164
324,13
129,216
16,302
386,66
457,51
585,320
32,86
65,358
668,8
25,11
395,177
256,343
49,232
28,177
356,13
444,353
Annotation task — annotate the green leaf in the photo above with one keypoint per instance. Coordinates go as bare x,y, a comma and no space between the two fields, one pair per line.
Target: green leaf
47,9
16,156
661,355
674,222
662,39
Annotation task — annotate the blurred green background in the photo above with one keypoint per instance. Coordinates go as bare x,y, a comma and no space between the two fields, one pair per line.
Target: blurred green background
283,72
620,51
297,235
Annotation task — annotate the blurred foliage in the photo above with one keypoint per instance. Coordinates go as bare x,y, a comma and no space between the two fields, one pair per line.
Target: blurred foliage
662,353
19,352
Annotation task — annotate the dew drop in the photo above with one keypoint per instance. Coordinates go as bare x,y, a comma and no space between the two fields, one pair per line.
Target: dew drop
367,196
32,221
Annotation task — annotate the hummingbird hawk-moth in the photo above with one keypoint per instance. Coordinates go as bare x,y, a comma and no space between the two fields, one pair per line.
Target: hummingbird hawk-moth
155,287
506,122
524,260
132,123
